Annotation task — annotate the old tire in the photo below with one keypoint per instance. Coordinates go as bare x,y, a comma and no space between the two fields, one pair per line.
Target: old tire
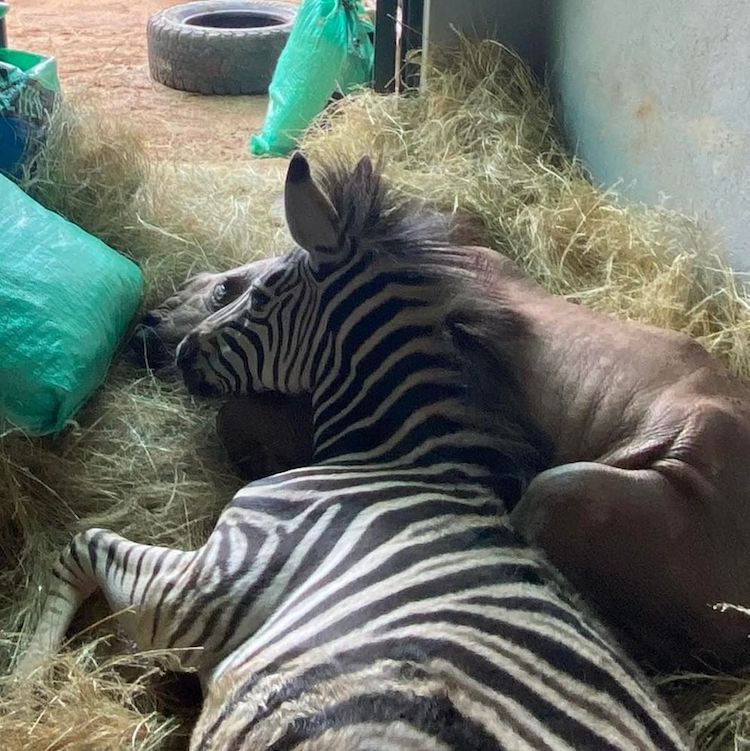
218,47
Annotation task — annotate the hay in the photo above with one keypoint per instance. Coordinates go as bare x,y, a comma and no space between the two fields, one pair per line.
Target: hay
143,458
716,709
173,218
87,705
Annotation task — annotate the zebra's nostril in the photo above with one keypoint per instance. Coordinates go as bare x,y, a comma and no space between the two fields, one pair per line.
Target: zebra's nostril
187,350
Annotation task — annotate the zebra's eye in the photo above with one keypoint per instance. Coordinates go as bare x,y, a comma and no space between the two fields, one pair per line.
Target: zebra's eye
219,293
227,291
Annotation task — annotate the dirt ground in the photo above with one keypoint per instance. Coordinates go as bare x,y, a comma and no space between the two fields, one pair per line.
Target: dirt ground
100,46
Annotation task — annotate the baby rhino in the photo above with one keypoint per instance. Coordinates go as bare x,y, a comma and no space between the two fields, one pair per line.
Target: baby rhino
646,506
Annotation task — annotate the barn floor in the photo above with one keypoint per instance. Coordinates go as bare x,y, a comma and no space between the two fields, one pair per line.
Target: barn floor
101,52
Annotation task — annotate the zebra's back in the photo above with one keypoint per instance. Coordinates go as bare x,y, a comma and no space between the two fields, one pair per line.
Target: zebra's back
421,621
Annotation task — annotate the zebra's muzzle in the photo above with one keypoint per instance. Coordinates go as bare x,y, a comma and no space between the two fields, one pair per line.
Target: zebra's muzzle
187,351
197,385
187,361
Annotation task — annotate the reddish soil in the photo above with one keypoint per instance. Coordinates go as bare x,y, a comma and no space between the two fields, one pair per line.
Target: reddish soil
100,46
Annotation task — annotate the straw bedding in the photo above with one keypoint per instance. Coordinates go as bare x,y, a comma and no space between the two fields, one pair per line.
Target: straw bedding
142,458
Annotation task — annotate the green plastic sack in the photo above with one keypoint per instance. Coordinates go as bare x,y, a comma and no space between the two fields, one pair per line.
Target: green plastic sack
66,300
329,49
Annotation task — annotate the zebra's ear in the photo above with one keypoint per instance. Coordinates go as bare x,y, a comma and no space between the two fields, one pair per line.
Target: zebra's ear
310,216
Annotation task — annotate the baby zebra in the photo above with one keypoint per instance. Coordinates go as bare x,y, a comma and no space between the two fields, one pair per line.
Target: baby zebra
375,599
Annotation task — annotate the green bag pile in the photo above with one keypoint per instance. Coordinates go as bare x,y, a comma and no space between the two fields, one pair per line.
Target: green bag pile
66,300
328,50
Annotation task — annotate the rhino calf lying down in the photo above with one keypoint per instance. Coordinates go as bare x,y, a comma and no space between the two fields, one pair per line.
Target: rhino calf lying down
645,502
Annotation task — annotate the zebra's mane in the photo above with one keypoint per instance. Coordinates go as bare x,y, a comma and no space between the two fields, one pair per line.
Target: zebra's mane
377,219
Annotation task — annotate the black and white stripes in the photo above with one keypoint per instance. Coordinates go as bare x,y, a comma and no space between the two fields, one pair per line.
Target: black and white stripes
407,610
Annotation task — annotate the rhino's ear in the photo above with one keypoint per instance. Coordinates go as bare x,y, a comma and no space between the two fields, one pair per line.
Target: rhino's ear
310,215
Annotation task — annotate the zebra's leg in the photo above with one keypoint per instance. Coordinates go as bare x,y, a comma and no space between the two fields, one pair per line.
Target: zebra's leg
133,578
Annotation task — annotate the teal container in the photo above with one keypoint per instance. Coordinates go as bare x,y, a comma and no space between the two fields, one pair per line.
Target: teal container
36,67
29,86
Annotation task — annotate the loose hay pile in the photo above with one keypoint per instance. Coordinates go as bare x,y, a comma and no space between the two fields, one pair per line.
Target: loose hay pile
143,459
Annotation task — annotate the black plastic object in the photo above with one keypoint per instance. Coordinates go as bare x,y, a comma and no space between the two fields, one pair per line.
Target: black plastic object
385,46
411,41
395,67
3,32
218,47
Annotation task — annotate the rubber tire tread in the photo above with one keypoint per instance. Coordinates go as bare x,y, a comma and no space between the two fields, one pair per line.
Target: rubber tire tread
214,60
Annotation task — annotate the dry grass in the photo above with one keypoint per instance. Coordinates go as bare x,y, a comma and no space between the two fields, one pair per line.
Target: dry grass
88,705
172,218
143,458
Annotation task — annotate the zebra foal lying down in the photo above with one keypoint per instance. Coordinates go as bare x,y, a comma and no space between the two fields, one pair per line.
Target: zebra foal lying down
374,599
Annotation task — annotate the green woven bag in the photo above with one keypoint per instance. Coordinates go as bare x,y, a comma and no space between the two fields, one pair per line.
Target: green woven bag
329,49
66,300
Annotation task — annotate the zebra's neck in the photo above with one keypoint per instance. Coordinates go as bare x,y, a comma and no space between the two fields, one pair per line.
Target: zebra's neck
388,393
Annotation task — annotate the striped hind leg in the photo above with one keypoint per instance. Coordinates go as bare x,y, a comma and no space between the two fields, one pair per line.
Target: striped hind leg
134,579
